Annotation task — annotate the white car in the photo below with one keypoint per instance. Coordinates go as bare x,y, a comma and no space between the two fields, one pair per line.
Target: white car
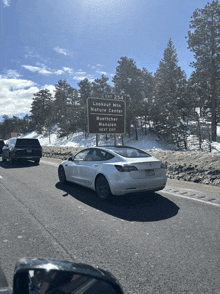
114,170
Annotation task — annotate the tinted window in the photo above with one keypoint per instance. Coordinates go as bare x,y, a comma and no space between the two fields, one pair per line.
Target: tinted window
27,142
98,155
129,152
82,155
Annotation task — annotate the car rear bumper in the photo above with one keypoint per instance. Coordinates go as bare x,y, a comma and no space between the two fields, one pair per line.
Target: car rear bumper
26,156
138,185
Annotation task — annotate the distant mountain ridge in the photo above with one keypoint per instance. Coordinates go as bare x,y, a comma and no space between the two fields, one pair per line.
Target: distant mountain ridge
19,115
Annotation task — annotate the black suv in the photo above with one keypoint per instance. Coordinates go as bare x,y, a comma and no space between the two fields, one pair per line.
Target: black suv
18,148
2,144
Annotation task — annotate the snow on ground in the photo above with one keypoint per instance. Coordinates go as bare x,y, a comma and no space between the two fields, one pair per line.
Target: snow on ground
78,140
144,142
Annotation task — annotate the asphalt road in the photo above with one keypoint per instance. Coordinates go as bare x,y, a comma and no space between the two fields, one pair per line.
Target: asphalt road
169,243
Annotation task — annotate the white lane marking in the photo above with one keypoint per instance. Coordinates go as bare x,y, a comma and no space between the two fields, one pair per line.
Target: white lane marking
49,162
195,199
1,177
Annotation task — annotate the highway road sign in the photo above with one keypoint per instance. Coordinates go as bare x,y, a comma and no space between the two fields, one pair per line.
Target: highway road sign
106,116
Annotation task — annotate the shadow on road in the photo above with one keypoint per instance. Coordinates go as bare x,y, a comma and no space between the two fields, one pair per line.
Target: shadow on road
19,164
140,207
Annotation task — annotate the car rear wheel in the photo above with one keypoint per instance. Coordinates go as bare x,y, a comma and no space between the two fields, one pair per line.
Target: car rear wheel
12,160
102,187
61,174
36,161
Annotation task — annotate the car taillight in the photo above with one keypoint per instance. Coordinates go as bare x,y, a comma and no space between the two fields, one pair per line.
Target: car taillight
125,168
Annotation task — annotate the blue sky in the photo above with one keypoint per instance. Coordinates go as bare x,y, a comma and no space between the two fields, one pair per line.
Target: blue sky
44,41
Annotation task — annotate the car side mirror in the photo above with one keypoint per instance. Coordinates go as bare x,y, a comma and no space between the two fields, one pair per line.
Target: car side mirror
55,276
70,159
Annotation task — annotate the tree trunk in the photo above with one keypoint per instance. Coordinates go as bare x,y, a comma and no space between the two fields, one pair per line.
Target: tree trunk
213,111
136,133
145,128
122,139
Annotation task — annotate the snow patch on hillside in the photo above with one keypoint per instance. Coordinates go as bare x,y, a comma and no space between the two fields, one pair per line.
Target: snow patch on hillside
144,142
78,140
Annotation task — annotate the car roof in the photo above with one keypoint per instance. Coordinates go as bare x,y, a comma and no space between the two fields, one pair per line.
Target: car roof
118,146
26,138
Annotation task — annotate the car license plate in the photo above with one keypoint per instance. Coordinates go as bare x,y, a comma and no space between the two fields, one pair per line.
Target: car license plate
150,173
29,151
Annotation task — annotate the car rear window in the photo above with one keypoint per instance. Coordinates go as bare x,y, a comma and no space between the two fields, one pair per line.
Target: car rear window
130,152
27,142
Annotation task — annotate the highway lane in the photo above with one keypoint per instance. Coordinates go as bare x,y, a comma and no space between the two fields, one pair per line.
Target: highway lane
166,244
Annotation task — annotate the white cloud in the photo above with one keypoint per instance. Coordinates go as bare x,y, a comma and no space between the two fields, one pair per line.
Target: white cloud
62,51
59,72
12,74
16,95
14,84
79,78
92,66
41,70
69,70
51,88
30,53
80,73
6,3
101,72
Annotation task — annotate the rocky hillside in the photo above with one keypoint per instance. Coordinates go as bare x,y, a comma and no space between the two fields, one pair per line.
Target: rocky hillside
198,167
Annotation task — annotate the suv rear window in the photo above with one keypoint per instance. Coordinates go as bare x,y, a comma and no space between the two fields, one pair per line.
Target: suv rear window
27,142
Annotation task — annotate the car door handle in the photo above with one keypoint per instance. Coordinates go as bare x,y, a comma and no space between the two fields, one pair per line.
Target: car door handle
95,165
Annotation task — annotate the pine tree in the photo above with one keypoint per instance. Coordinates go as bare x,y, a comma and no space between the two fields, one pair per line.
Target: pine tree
6,127
169,92
26,124
39,109
147,93
204,41
65,108
85,91
100,87
61,99
128,83
198,92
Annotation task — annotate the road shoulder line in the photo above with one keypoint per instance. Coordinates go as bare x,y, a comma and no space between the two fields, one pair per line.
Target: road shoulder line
194,196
